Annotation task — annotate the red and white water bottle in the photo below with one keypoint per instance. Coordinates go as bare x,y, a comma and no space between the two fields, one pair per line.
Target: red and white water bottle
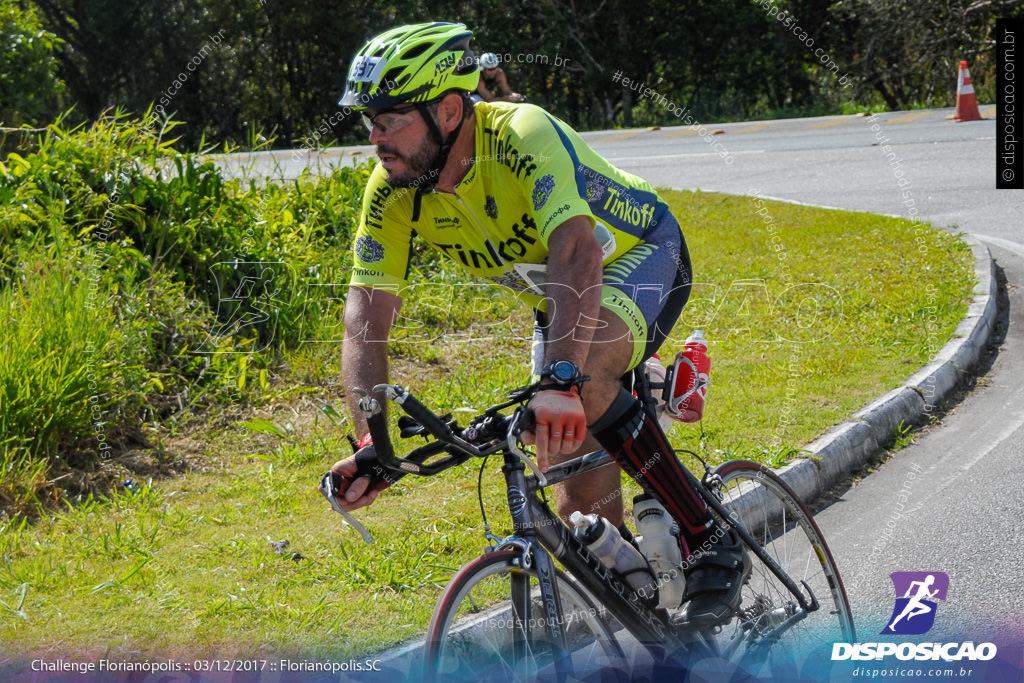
690,379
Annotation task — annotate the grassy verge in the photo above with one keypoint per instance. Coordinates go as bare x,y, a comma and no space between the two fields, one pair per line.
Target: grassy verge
811,313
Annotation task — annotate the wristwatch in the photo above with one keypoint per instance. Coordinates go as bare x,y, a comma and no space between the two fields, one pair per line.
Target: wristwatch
565,374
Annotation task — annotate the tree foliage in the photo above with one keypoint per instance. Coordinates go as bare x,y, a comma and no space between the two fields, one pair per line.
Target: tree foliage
29,87
230,68
909,51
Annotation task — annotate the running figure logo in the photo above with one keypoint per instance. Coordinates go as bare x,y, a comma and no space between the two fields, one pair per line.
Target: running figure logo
914,612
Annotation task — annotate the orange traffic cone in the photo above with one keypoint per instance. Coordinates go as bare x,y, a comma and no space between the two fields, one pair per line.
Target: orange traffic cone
966,103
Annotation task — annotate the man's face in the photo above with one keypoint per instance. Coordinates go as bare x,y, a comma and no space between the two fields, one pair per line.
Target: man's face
404,146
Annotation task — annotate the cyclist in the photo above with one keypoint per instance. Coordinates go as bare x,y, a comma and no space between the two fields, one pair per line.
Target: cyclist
515,195
493,85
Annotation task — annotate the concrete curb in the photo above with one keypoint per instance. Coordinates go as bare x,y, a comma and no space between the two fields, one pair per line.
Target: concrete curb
853,442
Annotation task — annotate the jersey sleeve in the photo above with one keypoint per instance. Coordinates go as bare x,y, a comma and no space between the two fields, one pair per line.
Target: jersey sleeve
552,174
382,245
569,179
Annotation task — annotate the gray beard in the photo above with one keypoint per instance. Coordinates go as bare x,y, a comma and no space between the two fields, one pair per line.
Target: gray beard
418,166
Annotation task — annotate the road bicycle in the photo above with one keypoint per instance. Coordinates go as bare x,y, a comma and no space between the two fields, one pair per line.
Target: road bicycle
538,605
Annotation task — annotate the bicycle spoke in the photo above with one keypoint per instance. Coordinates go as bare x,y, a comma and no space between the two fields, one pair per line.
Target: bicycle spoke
509,643
773,632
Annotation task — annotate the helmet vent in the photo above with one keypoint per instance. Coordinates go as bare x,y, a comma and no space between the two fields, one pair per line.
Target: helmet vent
393,79
467,64
416,50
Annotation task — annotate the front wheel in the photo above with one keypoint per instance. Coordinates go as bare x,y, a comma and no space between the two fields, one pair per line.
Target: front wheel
772,634
490,625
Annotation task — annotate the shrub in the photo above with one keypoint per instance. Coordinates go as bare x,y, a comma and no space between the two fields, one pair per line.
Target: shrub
136,281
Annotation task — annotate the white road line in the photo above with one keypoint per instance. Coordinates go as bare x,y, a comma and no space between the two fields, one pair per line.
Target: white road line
635,160
1015,247
1006,433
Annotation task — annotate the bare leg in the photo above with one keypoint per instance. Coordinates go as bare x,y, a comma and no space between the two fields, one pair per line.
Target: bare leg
599,491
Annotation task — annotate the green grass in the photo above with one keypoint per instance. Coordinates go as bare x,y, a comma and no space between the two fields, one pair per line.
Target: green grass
810,314
56,376
119,260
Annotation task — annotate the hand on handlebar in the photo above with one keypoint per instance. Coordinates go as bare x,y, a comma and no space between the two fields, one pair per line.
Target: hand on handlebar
363,479
559,425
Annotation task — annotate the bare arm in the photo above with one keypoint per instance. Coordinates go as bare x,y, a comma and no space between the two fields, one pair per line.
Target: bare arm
482,90
369,315
503,93
503,89
574,272
574,290
506,92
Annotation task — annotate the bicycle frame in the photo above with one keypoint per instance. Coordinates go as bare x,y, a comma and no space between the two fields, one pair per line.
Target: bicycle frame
533,521
644,388
535,524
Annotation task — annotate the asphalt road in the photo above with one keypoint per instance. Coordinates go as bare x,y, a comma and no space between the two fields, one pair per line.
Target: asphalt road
963,512
951,501
947,168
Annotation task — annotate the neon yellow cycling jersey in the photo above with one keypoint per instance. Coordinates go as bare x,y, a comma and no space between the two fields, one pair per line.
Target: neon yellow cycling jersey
530,174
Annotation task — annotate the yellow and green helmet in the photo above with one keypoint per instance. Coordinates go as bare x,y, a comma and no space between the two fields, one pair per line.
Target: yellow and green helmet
414,63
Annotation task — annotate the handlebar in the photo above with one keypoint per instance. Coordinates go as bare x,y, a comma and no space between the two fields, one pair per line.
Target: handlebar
487,433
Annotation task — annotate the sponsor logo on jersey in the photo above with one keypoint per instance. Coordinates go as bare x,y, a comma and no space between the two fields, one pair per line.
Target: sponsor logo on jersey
369,250
504,152
495,254
378,204
624,207
595,190
554,215
367,272
542,190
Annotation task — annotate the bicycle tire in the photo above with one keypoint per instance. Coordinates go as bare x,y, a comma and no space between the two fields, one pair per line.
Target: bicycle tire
473,634
778,521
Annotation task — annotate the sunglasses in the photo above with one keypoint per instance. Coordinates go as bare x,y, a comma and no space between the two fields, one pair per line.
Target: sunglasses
389,120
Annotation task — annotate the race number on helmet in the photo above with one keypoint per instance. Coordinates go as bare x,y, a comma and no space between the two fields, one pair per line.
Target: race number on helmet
414,63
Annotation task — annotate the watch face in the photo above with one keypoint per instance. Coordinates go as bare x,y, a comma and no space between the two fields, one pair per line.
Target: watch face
563,371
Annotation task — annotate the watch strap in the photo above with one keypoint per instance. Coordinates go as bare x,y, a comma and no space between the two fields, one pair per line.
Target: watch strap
573,389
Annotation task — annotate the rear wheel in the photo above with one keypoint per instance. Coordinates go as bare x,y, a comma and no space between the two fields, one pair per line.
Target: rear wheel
772,634
490,624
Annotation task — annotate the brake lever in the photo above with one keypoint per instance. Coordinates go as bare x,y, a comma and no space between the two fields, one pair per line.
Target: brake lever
514,447
329,488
